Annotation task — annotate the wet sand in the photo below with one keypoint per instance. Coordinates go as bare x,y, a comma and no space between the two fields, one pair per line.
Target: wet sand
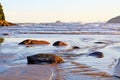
28,72
80,72
54,72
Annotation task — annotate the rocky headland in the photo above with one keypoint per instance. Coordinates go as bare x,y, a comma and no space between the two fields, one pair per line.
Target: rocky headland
3,22
114,20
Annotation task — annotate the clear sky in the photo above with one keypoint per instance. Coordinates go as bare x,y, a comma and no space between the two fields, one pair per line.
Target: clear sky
63,10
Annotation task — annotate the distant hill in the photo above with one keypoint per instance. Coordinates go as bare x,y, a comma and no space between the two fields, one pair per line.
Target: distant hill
114,20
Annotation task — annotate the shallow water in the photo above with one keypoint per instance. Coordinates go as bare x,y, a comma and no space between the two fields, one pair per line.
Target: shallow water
12,54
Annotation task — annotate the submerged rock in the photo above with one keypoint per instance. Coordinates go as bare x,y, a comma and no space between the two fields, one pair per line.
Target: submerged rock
114,20
5,34
75,47
1,40
44,58
33,42
59,43
97,54
99,42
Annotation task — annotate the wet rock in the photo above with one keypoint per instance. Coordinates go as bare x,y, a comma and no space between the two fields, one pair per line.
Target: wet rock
97,54
44,58
75,47
33,42
1,40
5,34
59,43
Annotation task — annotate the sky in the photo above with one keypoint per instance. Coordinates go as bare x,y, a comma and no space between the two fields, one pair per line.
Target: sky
37,11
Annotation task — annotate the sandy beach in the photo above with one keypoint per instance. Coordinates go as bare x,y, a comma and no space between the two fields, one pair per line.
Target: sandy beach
78,64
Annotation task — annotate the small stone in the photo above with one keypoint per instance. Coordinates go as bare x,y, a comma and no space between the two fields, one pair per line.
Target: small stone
5,34
100,42
75,47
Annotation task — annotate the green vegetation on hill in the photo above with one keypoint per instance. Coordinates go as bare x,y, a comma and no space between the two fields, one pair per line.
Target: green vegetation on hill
2,16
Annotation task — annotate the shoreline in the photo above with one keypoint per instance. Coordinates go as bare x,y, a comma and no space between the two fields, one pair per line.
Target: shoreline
74,33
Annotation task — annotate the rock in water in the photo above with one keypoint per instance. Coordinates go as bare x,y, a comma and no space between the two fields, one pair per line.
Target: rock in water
3,22
117,69
33,42
99,42
59,43
75,47
1,40
44,58
97,54
114,20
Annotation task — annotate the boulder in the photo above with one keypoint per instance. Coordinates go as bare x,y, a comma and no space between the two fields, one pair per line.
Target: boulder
44,58
33,42
1,40
97,54
59,43
114,20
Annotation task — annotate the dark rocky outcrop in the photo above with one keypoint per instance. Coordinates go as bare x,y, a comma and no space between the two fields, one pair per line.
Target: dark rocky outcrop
114,20
59,43
44,58
1,40
97,54
33,42
3,22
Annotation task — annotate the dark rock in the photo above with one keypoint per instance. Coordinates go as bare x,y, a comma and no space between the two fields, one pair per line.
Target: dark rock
33,42
44,58
5,34
97,54
114,20
59,43
75,47
1,40
100,42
